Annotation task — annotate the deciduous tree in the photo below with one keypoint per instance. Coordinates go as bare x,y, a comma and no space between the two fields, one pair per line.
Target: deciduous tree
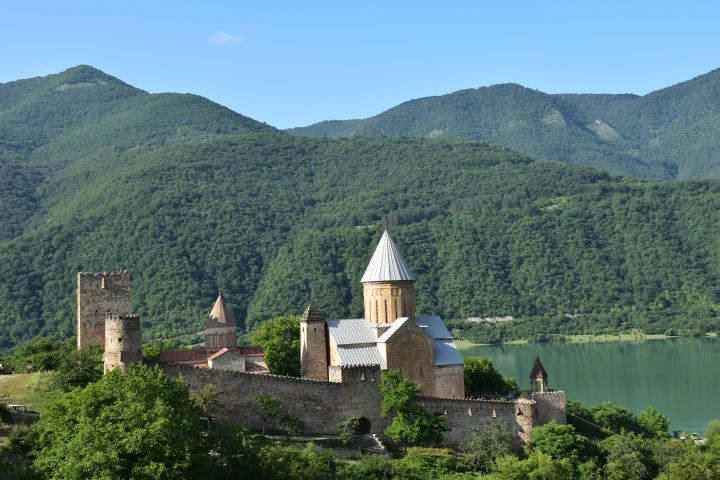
280,339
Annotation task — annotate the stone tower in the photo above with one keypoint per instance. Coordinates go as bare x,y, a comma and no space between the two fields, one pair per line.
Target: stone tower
123,344
220,328
388,285
100,295
313,345
538,377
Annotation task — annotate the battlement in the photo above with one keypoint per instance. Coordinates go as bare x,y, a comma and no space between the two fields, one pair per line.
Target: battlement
123,318
120,274
99,295
178,368
557,393
456,401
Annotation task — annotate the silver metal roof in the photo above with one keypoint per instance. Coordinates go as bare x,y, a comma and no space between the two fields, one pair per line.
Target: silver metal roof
351,331
446,353
361,355
387,264
391,331
435,326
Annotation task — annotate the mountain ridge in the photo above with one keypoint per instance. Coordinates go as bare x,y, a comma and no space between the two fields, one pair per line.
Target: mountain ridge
191,196
670,133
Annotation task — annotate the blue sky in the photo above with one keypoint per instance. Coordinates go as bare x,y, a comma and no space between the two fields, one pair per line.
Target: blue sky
294,63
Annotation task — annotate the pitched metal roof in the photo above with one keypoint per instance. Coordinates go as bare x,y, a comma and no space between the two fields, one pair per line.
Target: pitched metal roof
387,264
435,326
391,331
446,353
361,355
351,331
220,315
538,371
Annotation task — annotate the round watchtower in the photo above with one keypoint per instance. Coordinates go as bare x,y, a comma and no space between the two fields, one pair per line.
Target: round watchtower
123,344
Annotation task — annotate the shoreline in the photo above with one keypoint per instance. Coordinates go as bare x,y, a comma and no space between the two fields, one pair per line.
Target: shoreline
463,344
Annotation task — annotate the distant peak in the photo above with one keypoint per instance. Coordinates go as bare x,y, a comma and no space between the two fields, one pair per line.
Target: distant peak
86,75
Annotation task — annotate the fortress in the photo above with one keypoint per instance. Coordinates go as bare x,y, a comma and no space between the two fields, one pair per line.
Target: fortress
341,360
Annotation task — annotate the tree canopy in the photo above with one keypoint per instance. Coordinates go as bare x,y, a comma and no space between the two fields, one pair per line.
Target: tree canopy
135,425
280,340
410,424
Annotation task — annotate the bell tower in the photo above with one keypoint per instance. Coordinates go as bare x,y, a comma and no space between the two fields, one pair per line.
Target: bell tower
220,327
538,377
313,345
388,285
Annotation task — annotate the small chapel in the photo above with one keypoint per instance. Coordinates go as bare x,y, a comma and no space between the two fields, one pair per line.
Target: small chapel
390,335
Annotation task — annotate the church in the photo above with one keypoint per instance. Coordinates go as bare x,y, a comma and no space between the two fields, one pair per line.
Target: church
390,335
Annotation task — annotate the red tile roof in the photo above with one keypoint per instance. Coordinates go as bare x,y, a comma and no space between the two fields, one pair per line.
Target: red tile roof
219,353
220,316
246,350
256,367
195,355
200,355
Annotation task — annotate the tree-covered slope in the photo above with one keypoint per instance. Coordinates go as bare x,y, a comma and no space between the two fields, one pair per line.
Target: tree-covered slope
190,197
66,128
673,133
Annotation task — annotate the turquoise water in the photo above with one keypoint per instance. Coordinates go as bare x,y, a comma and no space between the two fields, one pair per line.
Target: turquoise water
679,377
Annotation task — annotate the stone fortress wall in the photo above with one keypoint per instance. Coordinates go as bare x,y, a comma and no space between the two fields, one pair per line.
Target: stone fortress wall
104,317
322,405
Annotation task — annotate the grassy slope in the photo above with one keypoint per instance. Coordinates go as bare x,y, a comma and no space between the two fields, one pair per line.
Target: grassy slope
28,389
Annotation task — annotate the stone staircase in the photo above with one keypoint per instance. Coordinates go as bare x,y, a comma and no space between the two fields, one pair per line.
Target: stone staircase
371,444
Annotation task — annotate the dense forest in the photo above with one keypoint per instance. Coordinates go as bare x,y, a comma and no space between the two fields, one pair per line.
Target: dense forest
673,133
96,175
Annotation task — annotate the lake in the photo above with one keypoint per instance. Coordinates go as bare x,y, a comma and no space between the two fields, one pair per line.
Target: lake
680,377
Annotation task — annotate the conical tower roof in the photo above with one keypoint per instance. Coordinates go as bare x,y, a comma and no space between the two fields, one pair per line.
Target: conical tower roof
387,264
538,371
220,315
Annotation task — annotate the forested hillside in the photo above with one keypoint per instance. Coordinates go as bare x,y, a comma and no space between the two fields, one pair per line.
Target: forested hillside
673,133
189,196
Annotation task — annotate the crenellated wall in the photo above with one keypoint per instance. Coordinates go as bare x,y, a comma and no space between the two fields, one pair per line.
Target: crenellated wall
321,405
463,416
550,406
354,393
100,295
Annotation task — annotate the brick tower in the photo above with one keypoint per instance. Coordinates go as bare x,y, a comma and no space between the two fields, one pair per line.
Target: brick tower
313,345
388,285
100,295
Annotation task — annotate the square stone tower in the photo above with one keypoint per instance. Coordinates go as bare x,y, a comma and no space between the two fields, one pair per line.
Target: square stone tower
313,345
100,295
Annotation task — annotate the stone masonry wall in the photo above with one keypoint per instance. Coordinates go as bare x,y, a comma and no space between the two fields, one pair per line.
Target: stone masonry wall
100,295
463,416
550,406
321,405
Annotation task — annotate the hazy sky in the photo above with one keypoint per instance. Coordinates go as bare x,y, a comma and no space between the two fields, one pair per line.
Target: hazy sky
294,63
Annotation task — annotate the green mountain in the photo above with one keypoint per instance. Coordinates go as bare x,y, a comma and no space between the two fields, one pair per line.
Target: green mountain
190,196
673,133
